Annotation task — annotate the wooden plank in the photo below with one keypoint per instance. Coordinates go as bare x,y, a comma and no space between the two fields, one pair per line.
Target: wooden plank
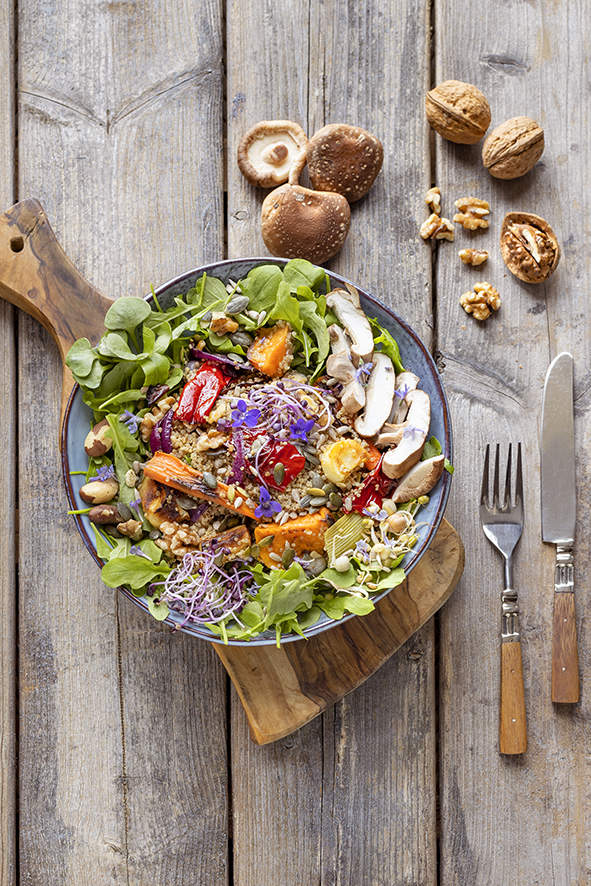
8,647
524,820
379,744
275,789
124,747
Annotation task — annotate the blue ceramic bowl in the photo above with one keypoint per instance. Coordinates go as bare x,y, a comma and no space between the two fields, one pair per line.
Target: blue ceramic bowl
415,357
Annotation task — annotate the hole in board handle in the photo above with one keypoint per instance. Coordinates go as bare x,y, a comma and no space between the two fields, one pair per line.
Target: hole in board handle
17,244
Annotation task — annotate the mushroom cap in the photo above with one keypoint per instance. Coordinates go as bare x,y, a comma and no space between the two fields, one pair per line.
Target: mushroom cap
419,480
268,150
379,395
345,159
300,223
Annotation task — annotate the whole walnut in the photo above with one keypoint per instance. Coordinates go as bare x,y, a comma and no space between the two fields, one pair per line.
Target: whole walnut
529,246
458,111
513,148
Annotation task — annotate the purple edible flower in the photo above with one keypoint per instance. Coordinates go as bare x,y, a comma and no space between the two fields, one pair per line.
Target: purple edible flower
242,415
362,550
301,428
134,549
375,514
105,473
364,369
410,431
266,506
135,503
402,392
131,420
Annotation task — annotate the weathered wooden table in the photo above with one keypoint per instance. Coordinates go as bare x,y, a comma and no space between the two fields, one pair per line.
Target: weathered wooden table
125,755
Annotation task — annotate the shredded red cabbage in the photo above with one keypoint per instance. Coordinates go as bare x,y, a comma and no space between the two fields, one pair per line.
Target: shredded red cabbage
155,393
197,354
239,465
160,437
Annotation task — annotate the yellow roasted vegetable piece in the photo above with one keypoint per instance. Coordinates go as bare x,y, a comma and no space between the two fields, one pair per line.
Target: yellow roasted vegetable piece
341,458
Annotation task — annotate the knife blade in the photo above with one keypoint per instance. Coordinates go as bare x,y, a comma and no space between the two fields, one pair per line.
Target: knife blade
558,499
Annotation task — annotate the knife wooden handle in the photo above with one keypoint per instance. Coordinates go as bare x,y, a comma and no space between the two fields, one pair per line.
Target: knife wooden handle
512,720
565,657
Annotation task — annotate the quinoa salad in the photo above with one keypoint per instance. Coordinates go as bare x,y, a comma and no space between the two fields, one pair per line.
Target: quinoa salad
258,455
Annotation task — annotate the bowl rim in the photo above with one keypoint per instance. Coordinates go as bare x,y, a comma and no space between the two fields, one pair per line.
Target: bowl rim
321,627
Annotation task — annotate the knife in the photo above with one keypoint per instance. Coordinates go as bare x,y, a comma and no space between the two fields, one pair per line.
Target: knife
558,491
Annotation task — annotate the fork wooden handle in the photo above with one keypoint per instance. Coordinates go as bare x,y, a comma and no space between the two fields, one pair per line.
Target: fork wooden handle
512,721
565,658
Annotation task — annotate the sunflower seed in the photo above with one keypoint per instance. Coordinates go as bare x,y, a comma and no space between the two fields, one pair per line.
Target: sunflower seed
284,518
242,339
261,318
313,459
275,557
237,304
252,314
305,501
318,501
239,501
209,480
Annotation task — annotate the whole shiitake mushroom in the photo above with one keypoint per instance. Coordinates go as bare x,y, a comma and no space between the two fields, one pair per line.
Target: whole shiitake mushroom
345,159
298,222
458,111
268,150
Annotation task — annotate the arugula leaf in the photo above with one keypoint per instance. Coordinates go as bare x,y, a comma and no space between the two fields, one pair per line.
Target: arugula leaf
261,285
388,343
431,449
299,272
132,571
127,313
284,593
286,308
319,329
391,580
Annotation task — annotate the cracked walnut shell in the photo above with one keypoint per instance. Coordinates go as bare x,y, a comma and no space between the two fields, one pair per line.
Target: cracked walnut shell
436,228
529,246
481,301
458,111
471,213
513,148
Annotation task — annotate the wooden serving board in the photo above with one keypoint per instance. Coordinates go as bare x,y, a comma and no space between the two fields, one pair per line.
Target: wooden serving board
280,689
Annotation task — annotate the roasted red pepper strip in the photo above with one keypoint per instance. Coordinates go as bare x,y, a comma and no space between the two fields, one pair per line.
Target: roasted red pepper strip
286,454
200,394
375,489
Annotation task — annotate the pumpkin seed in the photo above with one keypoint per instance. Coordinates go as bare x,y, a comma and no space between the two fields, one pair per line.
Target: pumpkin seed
113,532
267,540
315,479
287,557
335,501
124,511
230,494
254,550
237,304
155,533
206,319
328,488
318,501
209,480
279,473
316,566
316,491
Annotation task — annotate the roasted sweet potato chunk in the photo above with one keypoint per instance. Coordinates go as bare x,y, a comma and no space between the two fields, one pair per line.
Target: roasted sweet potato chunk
272,350
302,535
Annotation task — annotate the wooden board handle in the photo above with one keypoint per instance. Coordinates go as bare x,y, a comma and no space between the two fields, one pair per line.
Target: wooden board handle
37,276
565,657
512,721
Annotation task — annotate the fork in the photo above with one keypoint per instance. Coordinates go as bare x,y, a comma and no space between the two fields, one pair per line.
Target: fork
502,523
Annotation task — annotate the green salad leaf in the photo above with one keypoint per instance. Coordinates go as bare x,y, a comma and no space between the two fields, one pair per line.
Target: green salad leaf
384,341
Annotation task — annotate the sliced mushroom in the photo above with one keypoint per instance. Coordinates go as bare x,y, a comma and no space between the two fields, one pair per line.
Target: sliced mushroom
419,480
379,395
268,150
351,315
398,461
340,366
404,381
345,159
391,434
300,223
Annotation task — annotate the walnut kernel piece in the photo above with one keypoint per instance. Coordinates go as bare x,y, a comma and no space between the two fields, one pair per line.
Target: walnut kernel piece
481,301
471,213
473,257
221,324
458,111
529,246
131,528
436,228
433,199
152,418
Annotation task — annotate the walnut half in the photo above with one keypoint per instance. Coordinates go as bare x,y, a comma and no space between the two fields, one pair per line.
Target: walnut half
529,246
473,257
436,228
481,301
433,199
471,213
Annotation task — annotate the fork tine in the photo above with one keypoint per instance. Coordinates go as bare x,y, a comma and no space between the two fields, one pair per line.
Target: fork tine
496,503
484,489
507,499
519,479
